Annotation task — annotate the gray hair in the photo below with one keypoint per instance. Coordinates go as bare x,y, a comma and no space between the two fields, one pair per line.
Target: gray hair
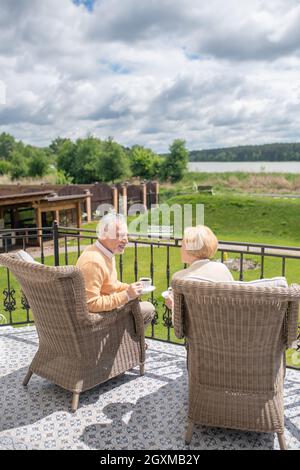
106,228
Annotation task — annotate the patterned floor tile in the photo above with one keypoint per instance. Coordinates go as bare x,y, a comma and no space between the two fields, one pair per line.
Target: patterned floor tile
130,412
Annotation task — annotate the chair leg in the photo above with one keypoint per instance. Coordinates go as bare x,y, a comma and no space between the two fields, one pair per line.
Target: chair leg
282,441
142,368
27,378
75,401
189,432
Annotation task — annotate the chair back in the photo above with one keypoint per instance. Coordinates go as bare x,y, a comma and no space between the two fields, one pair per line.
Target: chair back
236,334
57,298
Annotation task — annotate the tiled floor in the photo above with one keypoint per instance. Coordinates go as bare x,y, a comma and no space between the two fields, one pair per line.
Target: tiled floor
130,412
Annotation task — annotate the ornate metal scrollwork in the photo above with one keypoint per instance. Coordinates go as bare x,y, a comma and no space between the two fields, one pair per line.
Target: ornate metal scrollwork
167,317
24,302
9,300
155,303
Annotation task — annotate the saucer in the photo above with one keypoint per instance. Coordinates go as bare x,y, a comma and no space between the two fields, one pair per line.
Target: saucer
166,294
147,290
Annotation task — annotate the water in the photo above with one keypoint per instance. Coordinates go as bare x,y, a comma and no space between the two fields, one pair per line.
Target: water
248,167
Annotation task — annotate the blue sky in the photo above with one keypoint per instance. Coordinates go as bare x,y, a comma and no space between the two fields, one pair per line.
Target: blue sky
87,3
146,72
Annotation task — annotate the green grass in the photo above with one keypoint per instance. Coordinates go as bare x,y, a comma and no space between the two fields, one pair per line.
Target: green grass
243,218
272,268
237,182
249,219
232,217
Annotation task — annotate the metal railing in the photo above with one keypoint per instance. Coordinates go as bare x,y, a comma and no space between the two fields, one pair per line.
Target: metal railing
63,245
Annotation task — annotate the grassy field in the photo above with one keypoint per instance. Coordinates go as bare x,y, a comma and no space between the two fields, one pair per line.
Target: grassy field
233,218
245,218
272,268
237,182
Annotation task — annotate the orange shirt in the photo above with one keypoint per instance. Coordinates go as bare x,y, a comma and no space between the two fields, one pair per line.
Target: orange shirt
104,291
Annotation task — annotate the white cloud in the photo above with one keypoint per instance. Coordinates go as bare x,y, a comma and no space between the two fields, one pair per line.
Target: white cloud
215,73
2,93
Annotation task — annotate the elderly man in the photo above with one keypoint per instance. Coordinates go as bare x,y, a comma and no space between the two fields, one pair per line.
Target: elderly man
98,266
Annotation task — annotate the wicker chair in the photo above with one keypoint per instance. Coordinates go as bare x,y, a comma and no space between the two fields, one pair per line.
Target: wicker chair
77,350
236,340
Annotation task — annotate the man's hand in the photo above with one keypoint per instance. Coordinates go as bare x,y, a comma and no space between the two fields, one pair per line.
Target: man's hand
169,301
134,290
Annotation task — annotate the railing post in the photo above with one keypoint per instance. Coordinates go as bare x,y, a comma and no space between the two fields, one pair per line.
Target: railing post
55,243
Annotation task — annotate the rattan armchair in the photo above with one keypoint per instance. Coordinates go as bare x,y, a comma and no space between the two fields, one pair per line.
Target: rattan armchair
77,349
236,339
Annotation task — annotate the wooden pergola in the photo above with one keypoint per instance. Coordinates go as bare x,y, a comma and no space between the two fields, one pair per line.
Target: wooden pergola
41,202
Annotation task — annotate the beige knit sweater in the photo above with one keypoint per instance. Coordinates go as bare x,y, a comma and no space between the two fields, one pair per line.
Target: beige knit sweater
104,291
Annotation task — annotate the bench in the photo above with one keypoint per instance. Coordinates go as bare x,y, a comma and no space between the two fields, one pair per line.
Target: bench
160,231
205,189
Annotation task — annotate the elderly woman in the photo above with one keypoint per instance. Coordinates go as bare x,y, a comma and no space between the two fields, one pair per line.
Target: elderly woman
199,245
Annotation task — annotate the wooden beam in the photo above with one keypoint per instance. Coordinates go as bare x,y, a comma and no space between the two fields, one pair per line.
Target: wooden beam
39,224
88,205
78,214
56,207
17,201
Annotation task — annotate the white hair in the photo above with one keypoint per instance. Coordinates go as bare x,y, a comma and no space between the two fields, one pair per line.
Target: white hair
106,228
201,241
193,237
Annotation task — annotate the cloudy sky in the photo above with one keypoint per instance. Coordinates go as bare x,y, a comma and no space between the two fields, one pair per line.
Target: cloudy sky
216,73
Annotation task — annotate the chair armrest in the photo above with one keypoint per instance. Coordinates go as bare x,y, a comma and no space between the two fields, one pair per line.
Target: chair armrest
291,323
104,320
179,308
138,317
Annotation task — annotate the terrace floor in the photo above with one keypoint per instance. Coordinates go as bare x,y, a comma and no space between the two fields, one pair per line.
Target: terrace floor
130,412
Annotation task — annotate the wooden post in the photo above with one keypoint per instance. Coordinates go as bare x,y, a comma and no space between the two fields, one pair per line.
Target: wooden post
78,214
55,243
144,193
115,198
57,216
38,215
156,191
88,205
124,199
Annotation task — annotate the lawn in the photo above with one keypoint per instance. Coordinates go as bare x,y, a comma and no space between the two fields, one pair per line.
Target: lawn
242,218
249,219
236,182
233,218
160,279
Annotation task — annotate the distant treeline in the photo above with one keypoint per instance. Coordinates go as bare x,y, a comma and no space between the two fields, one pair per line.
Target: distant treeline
249,153
90,159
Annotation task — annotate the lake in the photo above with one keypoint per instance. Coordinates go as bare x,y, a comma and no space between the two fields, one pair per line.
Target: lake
247,167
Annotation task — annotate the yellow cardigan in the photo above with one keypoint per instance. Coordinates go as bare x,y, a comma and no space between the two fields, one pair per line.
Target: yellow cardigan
104,291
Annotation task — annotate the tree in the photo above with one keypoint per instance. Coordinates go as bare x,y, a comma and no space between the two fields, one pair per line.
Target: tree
5,167
57,144
175,163
66,155
62,178
38,163
7,145
88,155
114,163
19,166
144,163
81,160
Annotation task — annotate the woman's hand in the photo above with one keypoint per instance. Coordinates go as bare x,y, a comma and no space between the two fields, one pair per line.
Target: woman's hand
169,301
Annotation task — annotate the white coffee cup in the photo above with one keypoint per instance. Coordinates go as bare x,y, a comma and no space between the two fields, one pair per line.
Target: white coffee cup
146,281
